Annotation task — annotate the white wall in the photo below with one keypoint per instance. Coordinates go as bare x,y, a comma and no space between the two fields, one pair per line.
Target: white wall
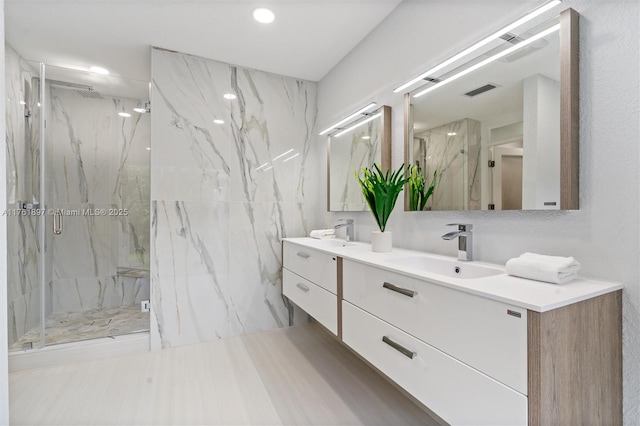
541,140
4,375
604,233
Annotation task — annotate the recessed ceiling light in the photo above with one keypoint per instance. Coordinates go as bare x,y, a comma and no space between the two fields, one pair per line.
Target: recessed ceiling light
124,114
230,96
99,70
148,148
263,15
218,121
140,110
366,137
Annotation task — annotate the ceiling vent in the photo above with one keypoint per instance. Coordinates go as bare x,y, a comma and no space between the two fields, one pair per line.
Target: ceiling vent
479,90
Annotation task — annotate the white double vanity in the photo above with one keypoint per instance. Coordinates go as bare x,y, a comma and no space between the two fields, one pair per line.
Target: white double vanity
471,343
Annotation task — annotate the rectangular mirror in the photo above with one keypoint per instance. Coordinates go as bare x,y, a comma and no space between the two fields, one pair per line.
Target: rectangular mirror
361,143
500,131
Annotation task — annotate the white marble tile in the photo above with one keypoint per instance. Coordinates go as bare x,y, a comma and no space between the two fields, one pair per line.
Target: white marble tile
224,195
189,272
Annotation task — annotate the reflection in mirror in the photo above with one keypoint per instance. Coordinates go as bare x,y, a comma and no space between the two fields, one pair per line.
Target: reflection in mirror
360,143
498,131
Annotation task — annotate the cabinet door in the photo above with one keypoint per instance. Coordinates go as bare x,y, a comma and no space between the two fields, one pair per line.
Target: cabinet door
483,333
314,300
316,266
454,391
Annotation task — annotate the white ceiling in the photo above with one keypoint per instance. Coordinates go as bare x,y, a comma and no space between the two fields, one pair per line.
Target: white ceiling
307,39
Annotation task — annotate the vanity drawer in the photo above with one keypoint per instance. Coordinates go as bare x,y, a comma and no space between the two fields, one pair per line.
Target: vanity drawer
316,266
454,391
483,333
314,300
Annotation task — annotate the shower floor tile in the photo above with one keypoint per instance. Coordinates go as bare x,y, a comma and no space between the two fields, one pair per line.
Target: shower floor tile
64,327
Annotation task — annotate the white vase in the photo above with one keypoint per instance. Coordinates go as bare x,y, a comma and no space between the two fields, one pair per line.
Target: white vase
381,241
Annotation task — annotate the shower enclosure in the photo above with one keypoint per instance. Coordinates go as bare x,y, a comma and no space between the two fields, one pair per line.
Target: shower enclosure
78,148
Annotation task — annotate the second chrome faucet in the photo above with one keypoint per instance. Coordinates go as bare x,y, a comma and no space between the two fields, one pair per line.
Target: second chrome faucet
465,240
350,231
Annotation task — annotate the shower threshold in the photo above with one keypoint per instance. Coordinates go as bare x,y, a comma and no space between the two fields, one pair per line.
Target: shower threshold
66,327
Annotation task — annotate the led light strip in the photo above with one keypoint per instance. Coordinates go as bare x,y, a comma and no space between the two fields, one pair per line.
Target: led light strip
373,117
483,42
354,115
491,59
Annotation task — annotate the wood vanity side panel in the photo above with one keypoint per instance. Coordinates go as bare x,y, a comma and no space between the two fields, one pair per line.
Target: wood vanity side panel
569,111
575,363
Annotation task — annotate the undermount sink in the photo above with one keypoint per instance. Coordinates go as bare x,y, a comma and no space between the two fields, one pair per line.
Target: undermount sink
447,267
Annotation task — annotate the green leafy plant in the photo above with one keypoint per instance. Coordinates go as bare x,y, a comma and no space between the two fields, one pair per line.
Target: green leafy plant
381,191
419,193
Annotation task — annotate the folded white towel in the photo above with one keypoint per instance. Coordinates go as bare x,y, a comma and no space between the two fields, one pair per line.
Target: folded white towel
552,269
323,233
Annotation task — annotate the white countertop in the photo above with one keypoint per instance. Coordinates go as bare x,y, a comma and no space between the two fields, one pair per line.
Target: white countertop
533,295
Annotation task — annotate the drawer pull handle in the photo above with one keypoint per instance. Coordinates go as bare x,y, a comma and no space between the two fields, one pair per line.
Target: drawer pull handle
400,290
404,351
303,254
303,287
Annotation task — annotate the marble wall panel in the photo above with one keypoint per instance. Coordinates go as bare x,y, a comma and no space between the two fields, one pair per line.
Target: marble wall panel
223,195
189,272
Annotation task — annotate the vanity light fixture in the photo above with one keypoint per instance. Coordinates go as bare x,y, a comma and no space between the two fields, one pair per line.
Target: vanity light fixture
283,154
366,137
536,12
490,59
293,156
99,70
451,134
348,129
124,114
229,96
354,115
263,15
218,121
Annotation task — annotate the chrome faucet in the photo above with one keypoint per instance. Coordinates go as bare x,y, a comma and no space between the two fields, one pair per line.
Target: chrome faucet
465,241
348,223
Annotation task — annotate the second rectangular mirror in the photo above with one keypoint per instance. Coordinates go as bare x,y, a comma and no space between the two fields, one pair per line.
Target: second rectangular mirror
361,143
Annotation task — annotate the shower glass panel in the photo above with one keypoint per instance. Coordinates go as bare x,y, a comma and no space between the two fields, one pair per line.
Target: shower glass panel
95,201
24,261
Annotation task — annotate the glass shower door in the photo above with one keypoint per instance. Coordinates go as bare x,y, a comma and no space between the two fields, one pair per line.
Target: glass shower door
97,194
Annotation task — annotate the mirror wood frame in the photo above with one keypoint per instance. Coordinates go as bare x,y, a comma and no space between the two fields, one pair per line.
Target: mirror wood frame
569,116
385,151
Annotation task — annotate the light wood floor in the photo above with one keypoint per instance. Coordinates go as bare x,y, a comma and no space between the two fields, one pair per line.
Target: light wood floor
293,376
